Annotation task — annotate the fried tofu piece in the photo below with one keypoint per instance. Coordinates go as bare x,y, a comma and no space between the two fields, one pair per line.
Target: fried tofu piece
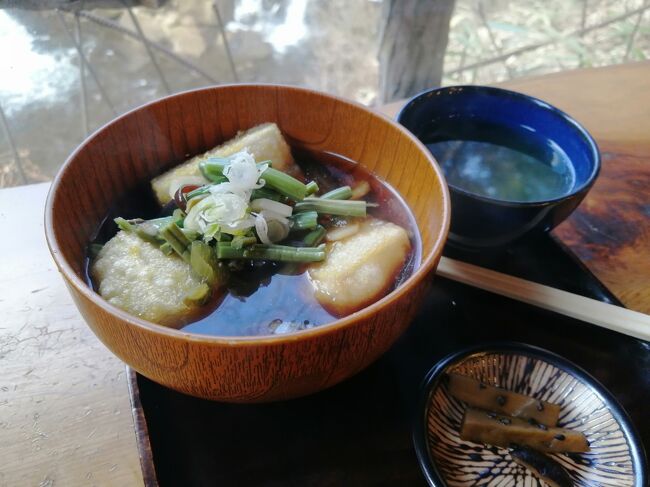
139,278
495,429
483,396
264,141
362,268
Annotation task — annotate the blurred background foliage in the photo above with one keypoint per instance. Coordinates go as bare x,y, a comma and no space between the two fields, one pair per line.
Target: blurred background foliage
65,72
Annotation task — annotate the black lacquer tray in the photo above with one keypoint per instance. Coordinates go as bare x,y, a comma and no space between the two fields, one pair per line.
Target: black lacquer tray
359,432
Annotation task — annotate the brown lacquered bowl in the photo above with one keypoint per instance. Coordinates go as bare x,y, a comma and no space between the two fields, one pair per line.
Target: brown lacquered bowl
141,144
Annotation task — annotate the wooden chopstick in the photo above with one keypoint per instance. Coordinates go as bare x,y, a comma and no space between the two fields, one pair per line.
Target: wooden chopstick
590,310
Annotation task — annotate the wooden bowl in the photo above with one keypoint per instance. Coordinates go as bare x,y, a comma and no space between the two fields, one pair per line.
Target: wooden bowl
148,140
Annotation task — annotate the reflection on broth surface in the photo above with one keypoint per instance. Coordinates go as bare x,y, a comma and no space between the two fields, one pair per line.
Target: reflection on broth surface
491,161
265,297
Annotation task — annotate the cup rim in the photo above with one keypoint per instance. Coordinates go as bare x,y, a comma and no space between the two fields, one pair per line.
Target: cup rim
538,104
427,264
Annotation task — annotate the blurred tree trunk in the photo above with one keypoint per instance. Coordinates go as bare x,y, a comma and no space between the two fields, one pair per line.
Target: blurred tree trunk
412,47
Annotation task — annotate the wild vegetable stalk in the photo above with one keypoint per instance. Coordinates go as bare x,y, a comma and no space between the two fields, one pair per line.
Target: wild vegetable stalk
315,237
204,263
266,193
279,253
177,239
147,230
304,221
241,242
166,248
312,188
284,184
342,193
332,207
213,167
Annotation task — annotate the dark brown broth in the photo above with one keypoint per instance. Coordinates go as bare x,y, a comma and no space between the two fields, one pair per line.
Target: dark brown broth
262,297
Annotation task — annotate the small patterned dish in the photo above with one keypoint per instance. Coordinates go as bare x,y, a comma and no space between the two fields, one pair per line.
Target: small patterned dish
616,458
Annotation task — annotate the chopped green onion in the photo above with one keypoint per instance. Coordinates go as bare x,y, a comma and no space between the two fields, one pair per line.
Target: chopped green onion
332,207
315,237
342,193
304,221
284,184
279,253
177,239
312,187
198,295
241,242
277,230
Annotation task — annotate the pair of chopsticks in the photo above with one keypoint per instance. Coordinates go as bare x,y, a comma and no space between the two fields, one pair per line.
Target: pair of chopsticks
590,310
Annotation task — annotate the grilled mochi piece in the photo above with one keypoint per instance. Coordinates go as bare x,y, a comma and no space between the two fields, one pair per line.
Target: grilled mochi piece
360,269
480,395
139,278
264,141
504,431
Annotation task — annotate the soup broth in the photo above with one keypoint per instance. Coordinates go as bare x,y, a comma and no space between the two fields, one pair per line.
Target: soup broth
512,166
263,297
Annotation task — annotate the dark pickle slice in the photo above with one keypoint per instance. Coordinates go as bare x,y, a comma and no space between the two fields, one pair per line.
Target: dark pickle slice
541,465
479,395
485,427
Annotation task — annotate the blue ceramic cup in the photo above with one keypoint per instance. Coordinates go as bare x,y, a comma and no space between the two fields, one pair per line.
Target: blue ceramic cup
479,221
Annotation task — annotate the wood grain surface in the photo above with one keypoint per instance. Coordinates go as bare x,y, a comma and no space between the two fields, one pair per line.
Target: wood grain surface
610,230
141,144
65,417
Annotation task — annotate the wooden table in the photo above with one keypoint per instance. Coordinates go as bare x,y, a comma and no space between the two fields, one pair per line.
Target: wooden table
65,416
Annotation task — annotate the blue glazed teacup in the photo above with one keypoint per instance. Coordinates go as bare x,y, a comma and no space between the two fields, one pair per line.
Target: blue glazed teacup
480,221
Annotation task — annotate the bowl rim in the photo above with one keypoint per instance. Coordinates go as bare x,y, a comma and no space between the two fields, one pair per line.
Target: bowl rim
427,263
539,104
432,378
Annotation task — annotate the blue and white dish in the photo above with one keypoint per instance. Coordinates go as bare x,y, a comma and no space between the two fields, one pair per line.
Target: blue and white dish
616,458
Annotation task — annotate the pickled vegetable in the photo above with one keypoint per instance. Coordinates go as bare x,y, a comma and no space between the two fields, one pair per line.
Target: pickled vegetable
495,429
480,395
